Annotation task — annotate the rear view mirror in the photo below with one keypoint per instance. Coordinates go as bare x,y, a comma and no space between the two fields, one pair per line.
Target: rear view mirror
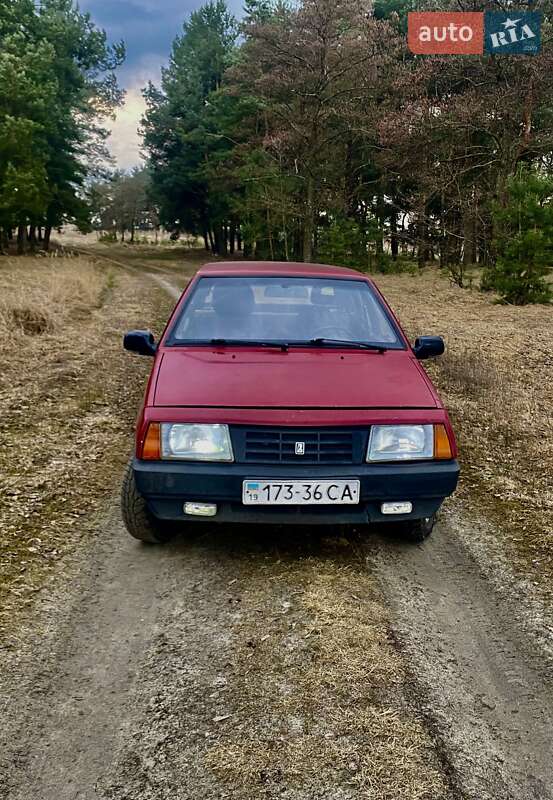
428,347
141,342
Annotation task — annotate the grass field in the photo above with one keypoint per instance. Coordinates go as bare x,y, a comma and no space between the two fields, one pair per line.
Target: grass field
497,382
68,397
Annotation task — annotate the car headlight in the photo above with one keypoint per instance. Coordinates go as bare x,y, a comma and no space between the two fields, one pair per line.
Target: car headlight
401,442
194,442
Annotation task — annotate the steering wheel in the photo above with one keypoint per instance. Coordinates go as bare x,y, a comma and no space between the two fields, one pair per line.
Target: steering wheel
332,332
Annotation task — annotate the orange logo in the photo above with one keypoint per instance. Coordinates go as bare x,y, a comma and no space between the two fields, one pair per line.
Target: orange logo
445,33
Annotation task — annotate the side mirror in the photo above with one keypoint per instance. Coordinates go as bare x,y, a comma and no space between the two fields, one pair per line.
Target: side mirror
141,342
428,347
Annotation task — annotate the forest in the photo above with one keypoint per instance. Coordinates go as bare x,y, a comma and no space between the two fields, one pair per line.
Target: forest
305,131
57,86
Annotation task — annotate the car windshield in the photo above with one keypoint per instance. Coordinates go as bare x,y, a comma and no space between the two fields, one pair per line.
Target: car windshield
291,310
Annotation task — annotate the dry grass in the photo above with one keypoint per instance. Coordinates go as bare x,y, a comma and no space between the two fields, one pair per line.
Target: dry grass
66,291
497,381
325,685
68,397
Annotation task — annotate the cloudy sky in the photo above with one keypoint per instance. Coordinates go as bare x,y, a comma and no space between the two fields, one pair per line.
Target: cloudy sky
148,28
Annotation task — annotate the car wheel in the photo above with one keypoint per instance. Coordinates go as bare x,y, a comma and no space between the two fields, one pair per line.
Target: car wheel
419,529
138,519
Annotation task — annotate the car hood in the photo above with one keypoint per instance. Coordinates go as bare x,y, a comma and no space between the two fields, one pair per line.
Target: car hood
255,378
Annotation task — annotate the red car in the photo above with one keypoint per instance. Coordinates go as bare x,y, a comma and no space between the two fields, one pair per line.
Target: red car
287,393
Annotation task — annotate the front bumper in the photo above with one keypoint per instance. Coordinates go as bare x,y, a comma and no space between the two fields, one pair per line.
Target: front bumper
167,485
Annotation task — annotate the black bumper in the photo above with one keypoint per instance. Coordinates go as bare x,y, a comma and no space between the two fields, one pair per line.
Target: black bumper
168,485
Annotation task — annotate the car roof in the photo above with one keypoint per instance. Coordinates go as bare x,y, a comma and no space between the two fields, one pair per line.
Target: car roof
279,268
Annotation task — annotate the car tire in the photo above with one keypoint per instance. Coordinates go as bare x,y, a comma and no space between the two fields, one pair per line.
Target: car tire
138,519
419,529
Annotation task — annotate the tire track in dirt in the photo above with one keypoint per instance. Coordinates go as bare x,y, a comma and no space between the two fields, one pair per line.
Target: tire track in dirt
171,290
156,273
480,680
65,719
233,662
77,709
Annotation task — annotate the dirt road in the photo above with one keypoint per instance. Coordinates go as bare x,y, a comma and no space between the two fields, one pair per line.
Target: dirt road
278,663
480,678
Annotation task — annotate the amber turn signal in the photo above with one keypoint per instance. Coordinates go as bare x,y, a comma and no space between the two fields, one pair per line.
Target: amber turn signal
151,449
442,447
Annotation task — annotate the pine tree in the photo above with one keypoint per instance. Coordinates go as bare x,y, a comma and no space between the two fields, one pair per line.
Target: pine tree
57,82
182,129
524,240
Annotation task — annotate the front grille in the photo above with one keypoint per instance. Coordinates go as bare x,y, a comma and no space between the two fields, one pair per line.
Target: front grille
264,445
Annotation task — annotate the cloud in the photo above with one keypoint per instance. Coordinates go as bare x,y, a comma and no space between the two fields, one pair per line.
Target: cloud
148,28
125,142
168,6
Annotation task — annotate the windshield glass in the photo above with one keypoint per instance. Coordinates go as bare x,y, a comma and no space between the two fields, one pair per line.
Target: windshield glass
289,310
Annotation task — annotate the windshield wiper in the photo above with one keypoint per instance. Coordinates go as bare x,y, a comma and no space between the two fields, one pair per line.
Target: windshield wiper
249,342
345,343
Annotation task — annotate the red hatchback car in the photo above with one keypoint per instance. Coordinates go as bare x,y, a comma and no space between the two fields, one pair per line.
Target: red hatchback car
287,393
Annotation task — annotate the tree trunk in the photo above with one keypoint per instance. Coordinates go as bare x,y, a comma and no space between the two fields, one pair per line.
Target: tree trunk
349,180
443,235
394,244
380,215
308,222
474,243
220,239
285,233
211,240
32,237
205,234
422,233
467,238
47,236
21,233
270,234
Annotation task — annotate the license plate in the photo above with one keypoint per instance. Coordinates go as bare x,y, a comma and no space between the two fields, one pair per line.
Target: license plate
300,493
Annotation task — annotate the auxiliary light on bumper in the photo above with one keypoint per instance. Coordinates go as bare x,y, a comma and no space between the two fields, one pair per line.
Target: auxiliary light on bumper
404,507
200,509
